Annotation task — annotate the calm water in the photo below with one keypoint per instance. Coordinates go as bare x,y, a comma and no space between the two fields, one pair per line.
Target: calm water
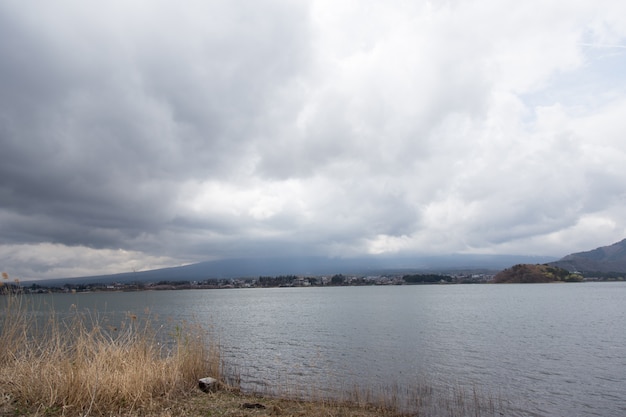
550,350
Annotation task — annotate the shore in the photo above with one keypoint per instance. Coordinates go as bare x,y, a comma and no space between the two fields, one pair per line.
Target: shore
224,403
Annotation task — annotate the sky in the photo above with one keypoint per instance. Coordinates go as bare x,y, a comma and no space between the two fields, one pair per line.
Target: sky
137,135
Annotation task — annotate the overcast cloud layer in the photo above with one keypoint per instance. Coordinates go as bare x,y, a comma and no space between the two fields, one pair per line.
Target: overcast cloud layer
141,134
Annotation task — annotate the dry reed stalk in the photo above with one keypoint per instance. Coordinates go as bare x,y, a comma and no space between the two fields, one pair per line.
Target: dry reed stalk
77,367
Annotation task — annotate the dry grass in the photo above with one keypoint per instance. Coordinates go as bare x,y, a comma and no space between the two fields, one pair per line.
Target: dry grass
80,367
240,405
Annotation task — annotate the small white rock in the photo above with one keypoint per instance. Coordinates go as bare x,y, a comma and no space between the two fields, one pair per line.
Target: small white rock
208,384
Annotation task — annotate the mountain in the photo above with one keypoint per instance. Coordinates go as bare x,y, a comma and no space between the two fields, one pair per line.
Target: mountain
605,259
303,266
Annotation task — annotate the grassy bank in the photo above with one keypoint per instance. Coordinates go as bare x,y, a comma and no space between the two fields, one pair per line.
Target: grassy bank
80,365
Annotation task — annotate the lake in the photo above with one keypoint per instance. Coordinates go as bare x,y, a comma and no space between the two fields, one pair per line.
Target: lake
545,349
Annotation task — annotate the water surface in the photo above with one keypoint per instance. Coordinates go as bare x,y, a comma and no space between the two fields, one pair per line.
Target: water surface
549,349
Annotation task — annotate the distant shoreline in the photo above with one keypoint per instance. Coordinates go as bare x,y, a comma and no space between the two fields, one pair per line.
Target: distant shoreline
291,281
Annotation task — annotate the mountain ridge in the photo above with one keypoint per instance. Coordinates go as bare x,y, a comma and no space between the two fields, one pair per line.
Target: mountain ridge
604,259
309,266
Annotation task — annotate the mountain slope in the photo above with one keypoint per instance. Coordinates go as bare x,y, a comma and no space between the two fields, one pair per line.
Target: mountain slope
610,258
255,267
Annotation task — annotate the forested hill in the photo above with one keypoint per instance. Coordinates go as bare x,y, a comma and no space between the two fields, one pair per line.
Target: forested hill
532,274
605,259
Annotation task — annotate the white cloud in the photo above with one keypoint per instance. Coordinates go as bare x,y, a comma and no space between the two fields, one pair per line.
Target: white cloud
54,260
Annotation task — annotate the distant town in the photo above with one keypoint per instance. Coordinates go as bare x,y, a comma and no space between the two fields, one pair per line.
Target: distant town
260,282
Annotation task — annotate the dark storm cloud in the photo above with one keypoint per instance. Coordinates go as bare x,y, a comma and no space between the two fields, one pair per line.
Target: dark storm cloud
99,122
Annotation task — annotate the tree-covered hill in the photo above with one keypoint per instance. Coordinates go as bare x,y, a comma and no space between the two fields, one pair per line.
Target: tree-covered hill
527,273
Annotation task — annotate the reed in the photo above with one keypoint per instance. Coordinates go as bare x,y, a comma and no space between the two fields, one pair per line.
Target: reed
81,366
422,399
381,398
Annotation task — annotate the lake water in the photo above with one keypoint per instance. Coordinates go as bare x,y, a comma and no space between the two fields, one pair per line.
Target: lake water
546,349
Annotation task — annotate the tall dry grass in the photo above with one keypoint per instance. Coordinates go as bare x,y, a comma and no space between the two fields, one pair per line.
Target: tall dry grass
79,366
419,398
415,400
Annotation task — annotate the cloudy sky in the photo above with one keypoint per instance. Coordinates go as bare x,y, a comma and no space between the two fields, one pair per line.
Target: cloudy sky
141,134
